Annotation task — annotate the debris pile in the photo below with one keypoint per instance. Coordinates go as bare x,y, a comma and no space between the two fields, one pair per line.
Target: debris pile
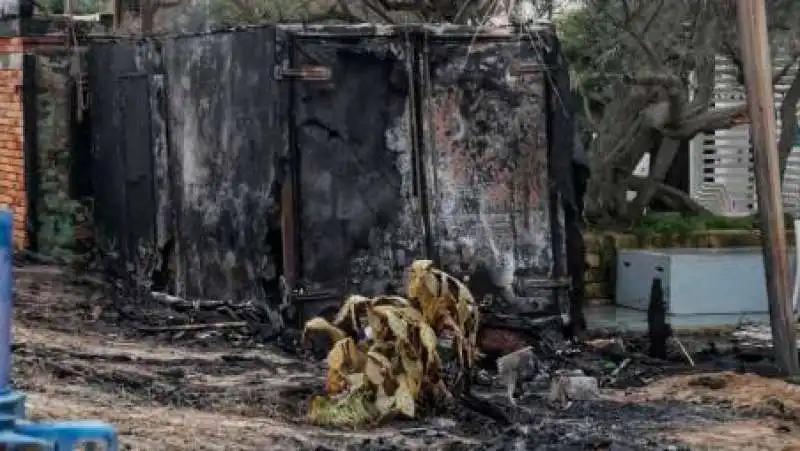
250,394
750,335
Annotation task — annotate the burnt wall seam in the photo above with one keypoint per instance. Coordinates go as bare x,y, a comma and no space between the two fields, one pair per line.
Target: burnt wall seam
293,160
30,147
174,196
553,200
420,84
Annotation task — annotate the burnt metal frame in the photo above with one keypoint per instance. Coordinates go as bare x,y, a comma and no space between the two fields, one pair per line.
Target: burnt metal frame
556,206
421,52
291,214
130,238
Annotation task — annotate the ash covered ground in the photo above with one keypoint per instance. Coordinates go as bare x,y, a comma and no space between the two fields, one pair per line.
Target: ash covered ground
79,355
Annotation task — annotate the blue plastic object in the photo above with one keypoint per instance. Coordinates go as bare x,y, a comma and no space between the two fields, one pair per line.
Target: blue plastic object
15,432
69,435
6,282
14,441
13,404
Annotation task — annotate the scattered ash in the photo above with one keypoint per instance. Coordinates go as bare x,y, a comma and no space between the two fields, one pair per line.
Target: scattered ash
137,353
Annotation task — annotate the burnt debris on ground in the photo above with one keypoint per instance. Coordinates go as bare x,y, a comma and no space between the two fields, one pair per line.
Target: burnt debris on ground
141,368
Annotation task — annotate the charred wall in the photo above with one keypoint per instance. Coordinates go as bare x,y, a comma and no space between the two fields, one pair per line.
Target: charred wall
186,141
487,157
416,139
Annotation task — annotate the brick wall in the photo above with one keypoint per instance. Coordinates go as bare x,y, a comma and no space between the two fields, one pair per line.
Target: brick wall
12,168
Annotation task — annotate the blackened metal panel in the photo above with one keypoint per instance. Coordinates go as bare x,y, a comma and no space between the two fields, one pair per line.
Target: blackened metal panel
137,156
106,64
225,139
359,217
487,157
162,183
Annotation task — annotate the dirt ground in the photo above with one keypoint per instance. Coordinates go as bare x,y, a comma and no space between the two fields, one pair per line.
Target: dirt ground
77,357
772,405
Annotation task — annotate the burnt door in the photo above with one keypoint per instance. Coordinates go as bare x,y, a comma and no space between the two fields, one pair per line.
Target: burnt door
358,209
226,137
137,158
487,156
122,156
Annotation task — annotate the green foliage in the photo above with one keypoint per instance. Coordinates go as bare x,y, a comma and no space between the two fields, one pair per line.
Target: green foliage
675,224
78,6
57,213
251,12
595,53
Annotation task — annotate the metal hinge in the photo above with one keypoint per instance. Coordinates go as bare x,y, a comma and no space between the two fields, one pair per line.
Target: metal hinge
305,72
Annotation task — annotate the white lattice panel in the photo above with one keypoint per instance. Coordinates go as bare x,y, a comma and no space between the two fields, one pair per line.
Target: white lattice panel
722,162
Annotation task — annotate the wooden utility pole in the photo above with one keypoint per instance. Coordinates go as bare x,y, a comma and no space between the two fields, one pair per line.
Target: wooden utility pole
760,101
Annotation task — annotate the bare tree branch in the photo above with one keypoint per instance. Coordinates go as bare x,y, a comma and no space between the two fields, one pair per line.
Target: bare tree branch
650,55
704,77
777,76
788,115
378,10
663,161
665,191
649,52
710,121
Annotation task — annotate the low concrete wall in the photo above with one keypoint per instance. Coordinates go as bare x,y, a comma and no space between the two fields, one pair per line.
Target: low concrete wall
602,247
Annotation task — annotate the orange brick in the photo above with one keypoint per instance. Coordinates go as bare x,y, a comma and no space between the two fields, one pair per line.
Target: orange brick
12,161
20,240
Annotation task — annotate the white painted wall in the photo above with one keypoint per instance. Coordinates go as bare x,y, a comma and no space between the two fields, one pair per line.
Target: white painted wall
721,163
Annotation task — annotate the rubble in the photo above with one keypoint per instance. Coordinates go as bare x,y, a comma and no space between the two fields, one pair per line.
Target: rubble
569,386
513,367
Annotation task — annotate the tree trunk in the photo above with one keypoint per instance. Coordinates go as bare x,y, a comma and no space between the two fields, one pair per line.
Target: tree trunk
663,161
612,158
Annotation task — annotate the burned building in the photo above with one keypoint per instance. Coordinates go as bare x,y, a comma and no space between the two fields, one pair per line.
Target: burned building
335,155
